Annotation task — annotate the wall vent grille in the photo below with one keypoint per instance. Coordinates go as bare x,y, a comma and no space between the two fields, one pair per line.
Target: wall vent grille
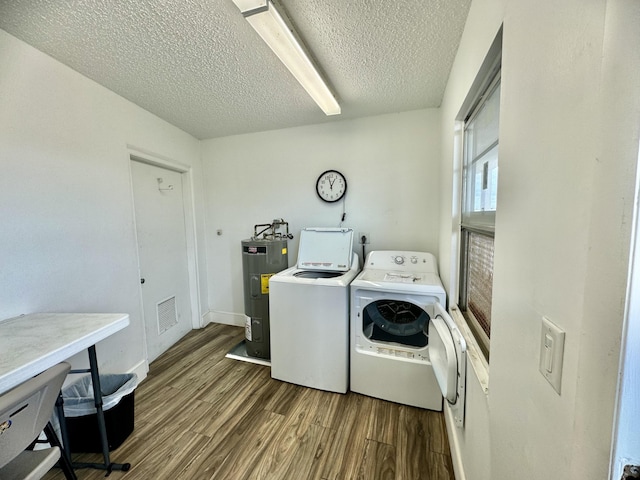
167,314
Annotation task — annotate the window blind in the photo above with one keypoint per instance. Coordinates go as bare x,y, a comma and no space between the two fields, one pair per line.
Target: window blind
480,278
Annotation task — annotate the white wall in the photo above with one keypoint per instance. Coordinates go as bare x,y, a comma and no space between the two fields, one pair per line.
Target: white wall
391,163
68,239
548,148
471,446
562,230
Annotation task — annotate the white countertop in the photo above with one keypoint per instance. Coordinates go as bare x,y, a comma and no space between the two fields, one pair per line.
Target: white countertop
29,344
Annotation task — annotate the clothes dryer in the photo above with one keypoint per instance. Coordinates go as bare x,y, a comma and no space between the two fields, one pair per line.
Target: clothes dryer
309,311
405,348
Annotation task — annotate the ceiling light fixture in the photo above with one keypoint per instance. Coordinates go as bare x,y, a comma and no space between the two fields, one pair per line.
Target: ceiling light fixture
267,21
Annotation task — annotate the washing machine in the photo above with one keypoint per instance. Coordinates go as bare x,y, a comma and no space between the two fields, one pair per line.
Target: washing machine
309,311
405,347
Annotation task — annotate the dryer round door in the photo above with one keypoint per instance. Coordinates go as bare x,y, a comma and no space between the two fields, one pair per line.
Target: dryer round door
395,321
397,317
442,353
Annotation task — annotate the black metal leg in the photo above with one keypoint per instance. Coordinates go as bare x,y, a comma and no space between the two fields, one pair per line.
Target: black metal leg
97,396
65,461
63,427
102,428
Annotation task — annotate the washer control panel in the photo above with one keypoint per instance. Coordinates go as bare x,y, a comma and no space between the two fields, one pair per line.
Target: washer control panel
401,261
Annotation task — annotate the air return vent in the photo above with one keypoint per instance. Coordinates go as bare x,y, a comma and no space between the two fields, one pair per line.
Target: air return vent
167,314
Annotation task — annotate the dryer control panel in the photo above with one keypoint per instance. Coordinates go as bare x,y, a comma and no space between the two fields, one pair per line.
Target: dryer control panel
406,261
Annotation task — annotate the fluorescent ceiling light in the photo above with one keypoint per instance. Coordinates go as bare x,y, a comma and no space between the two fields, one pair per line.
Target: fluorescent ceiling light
267,21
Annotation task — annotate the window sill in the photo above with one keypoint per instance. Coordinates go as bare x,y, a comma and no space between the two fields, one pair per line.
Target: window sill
474,353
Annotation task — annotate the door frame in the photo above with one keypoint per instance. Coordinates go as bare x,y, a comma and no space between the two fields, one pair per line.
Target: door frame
188,199
624,448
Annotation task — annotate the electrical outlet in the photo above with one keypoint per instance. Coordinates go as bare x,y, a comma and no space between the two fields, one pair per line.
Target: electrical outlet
366,241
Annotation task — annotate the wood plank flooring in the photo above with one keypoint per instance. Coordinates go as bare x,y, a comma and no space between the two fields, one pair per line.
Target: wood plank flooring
199,415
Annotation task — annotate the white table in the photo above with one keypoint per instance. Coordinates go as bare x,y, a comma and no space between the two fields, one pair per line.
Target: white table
30,344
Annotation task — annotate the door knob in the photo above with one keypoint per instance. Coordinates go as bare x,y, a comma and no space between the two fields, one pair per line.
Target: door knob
142,280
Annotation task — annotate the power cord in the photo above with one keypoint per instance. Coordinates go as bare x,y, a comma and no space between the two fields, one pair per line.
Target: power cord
363,241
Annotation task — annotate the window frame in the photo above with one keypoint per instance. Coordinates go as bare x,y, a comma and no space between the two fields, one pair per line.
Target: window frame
480,222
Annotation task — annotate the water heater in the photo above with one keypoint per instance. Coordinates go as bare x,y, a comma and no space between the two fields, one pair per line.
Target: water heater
263,255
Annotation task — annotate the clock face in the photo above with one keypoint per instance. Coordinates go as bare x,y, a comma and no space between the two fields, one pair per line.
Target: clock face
331,186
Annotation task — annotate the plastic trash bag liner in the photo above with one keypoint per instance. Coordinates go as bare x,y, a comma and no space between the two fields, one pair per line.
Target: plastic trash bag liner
78,397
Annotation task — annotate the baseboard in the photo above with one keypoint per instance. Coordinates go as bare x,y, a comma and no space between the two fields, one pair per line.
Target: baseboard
454,444
141,370
204,319
225,318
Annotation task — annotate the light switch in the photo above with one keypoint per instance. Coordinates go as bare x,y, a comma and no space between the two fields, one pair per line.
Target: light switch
551,353
548,353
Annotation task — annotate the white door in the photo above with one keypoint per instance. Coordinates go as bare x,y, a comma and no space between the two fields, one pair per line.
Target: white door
162,247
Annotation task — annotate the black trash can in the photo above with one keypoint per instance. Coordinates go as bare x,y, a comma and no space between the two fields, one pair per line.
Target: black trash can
118,397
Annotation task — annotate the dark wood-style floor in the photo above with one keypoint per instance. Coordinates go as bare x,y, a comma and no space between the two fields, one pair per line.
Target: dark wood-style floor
199,415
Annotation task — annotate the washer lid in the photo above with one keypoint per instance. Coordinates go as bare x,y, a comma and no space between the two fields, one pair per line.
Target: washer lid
325,249
442,353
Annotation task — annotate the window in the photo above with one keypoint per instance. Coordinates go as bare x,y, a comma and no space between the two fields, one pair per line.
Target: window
479,203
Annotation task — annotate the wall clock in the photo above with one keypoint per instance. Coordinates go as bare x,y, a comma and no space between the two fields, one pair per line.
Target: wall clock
331,186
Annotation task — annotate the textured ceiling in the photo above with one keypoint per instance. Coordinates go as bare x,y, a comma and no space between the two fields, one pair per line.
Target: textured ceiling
200,66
